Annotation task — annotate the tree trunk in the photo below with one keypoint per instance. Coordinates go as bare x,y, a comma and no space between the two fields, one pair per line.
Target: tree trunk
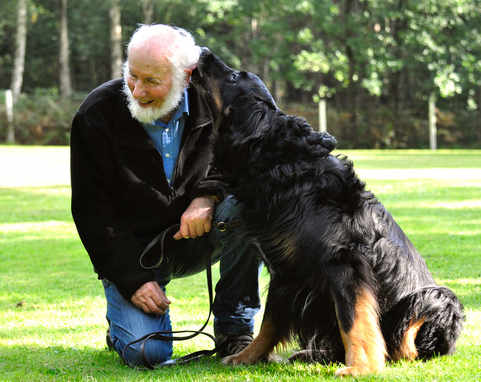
65,79
20,43
353,89
432,122
148,10
19,65
115,39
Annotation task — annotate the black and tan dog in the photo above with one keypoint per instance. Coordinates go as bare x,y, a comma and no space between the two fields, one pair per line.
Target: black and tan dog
346,282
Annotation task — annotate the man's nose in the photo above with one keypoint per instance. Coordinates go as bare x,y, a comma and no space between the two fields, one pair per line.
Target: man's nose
138,90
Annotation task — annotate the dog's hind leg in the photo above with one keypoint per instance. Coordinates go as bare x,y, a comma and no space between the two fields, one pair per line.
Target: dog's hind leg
407,347
423,324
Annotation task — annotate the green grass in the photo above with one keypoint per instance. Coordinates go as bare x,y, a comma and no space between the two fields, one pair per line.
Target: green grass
52,309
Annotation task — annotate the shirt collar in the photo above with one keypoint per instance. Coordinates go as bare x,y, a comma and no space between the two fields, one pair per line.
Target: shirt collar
182,109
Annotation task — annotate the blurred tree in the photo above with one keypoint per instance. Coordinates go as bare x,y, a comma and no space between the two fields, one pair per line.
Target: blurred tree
115,39
148,11
376,61
65,79
20,43
19,62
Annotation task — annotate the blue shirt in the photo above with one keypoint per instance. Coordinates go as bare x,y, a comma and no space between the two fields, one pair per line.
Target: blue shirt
167,137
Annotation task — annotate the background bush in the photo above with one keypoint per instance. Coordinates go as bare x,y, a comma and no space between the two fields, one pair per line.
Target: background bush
42,118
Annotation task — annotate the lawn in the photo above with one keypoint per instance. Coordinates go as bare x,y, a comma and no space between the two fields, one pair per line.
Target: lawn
52,309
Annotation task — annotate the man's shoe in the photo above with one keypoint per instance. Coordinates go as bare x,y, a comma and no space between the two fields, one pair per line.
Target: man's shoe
232,344
108,339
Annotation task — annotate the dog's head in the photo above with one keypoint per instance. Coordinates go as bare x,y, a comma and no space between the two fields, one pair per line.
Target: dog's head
223,85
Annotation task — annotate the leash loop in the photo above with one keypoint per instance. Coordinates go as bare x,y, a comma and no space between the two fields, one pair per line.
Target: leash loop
173,334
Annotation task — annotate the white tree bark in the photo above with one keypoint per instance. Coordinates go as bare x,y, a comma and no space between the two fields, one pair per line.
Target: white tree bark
65,78
322,115
20,44
148,9
115,39
10,125
432,122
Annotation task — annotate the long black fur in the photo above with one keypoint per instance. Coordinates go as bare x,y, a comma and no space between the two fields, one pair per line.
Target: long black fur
324,236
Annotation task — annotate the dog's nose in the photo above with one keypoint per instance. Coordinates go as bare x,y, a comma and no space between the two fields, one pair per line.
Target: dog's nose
204,52
204,55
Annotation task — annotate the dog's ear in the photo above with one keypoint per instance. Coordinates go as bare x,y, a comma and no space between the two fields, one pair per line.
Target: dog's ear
268,101
328,142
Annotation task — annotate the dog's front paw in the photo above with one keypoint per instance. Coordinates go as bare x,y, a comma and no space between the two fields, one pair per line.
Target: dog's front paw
356,371
238,359
248,356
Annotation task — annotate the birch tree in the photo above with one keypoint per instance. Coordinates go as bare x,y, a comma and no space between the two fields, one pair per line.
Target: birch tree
19,61
115,39
148,11
65,78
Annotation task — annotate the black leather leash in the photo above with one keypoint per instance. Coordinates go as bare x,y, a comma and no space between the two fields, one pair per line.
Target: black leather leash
169,335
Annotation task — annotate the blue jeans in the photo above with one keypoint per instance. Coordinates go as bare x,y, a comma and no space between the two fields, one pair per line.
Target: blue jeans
237,291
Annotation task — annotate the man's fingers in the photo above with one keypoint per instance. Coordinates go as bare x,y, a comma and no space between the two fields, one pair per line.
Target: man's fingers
185,230
152,307
207,225
151,298
194,231
179,235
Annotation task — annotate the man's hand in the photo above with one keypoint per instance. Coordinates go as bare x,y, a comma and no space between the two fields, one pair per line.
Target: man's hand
197,218
151,298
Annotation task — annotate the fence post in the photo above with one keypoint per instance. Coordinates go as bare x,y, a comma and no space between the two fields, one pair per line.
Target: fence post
432,121
9,107
322,115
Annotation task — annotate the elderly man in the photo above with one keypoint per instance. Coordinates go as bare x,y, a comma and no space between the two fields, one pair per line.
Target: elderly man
140,164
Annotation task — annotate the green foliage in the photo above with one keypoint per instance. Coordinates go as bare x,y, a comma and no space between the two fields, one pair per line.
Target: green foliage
43,117
379,127
360,54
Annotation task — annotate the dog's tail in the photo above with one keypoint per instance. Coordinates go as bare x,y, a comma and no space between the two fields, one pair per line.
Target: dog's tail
440,317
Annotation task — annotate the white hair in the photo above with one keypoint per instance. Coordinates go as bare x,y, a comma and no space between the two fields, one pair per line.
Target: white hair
183,53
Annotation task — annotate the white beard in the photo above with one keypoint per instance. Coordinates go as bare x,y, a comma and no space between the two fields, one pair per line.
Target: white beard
150,114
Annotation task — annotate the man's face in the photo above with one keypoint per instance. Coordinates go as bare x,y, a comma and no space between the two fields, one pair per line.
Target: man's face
149,78
152,89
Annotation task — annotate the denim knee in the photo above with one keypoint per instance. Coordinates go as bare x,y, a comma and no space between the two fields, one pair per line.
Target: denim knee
155,352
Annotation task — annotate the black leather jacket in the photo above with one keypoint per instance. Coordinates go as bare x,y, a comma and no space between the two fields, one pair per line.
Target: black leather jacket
120,196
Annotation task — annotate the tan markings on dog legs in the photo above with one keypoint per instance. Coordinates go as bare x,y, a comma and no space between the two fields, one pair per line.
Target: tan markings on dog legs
408,350
364,344
259,349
